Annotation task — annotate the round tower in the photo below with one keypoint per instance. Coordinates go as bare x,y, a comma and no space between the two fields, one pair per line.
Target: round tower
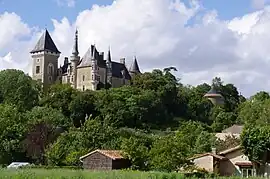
214,97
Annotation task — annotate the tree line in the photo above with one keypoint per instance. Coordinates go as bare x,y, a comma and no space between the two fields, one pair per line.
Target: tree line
156,120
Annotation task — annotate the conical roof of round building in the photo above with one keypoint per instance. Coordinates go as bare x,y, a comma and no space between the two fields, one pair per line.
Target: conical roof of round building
212,93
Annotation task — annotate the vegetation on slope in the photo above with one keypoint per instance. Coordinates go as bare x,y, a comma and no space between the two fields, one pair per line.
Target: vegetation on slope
157,121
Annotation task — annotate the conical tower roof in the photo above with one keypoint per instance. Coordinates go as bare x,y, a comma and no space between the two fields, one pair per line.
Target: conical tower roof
212,93
109,57
134,68
45,43
75,50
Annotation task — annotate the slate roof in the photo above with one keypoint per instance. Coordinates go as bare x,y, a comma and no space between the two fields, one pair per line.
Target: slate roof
134,67
86,59
117,69
113,154
212,93
45,43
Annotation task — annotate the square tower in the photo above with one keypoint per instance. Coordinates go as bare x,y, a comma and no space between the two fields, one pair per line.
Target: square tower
45,60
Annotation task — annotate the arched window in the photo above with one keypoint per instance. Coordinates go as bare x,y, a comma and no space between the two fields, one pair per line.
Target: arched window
50,79
83,77
50,69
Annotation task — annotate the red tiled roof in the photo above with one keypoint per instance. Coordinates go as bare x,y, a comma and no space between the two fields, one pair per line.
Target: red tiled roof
244,164
113,154
209,154
224,152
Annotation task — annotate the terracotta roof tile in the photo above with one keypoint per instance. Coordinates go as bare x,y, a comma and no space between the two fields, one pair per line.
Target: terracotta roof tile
244,164
113,154
230,150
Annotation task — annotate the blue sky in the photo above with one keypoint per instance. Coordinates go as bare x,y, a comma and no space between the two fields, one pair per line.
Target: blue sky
40,12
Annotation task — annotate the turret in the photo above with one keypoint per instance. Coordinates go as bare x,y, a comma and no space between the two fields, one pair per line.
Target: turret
134,68
74,59
214,96
109,68
94,68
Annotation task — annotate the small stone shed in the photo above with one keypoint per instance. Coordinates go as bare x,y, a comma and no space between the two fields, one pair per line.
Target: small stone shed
104,160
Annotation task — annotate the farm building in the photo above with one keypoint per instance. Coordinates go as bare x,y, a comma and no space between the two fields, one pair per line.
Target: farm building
104,160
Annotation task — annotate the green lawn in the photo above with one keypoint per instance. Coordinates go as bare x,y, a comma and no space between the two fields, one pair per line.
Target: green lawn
82,174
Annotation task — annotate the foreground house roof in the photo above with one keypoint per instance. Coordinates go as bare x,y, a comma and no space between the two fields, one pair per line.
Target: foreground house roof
219,157
224,152
113,154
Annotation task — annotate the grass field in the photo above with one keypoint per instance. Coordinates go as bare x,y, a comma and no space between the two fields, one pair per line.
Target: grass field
82,174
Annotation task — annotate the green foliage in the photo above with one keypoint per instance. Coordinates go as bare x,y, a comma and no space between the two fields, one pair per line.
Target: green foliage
12,129
255,112
137,151
81,106
77,142
168,153
59,97
255,140
17,88
156,121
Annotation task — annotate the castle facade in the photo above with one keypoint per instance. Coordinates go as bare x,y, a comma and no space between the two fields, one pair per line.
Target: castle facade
93,71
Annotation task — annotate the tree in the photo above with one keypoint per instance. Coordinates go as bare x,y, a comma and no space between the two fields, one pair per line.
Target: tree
12,130
59,96
229,93
168,153
204,142
42,125
163,83
255,112
223,120
18,89
67,149
82,106
256,144
199,108
136,149
260,96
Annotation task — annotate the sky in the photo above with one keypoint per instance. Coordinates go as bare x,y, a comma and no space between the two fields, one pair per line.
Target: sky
201,38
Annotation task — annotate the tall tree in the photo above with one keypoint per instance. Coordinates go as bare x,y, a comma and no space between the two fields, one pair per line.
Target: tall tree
18,89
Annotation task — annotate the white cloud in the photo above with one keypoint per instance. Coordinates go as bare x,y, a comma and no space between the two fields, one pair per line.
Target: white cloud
259,4
68,3
157,32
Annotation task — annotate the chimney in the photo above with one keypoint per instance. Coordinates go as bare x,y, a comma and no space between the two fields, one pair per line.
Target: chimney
214,151
101,54
123,61
66,61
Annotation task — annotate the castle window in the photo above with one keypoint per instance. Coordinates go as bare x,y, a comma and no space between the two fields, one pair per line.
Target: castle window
83,77
83,87
50,79
37,69
98,77
38,60
50,69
